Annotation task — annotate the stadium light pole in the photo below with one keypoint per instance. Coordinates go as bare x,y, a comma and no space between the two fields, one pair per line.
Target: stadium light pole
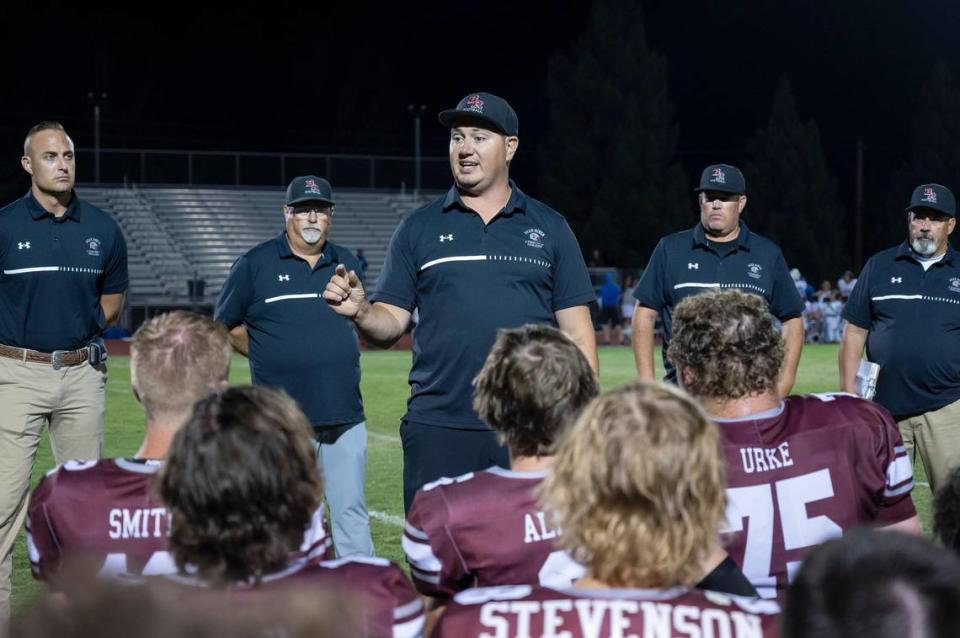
97,98
416,112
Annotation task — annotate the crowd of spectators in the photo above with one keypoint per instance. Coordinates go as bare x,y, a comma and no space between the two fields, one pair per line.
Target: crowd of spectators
823,307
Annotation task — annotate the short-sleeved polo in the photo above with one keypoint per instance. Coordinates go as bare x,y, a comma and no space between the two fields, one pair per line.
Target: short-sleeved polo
913,319
54,270
685,264
469,279
297,342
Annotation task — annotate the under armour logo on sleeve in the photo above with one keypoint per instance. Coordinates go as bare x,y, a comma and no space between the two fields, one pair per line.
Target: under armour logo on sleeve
693,266
896,280
444,238
283,277
23,245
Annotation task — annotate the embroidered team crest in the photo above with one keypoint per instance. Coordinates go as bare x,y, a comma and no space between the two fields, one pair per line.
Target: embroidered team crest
93,246
718,176
535,237
929,196
475,104
753,270
312,187
955,284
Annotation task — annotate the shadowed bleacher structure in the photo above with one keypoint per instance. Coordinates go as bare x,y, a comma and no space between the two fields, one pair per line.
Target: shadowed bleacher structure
175,234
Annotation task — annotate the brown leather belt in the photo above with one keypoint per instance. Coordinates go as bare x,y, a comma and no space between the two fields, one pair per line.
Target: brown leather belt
57,358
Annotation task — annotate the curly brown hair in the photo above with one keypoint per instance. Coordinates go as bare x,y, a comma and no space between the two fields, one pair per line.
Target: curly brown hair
726,345
638,487
533,384
241,484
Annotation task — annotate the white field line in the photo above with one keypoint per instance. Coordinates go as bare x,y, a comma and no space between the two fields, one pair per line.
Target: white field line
383,437
389,519
921,483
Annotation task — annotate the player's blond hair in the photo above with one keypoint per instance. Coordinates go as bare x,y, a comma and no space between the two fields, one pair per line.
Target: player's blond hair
637,487
726,345
176,358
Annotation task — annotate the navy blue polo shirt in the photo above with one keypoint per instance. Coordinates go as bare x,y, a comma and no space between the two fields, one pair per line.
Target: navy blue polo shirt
296,341
913,319
54,271
686,263
470,279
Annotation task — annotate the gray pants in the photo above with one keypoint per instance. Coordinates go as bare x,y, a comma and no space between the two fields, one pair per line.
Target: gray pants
342,456
70,401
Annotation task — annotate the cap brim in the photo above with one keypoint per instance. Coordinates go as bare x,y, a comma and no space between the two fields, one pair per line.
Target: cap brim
939,210
311,199
718,188
449,119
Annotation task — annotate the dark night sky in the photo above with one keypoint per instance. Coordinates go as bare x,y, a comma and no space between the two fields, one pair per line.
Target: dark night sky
280,76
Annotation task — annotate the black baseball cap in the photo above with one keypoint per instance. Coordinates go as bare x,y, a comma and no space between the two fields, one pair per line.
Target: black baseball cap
487,108
933,196
723,178
309,188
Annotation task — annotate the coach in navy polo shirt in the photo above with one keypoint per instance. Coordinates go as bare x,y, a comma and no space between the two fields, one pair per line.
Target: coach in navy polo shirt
719,252
482,257
271,302
64,276
905,308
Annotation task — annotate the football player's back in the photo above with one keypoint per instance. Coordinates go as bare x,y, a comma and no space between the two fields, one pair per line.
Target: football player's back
101,513
382,596
588,613
800,470
805,472
482,529
486,528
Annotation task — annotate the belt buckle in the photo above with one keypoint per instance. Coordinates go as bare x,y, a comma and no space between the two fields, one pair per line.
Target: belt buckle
56,358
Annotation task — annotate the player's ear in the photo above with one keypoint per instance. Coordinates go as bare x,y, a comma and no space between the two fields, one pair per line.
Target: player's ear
512,142
26,164
951,224
742,203
287,212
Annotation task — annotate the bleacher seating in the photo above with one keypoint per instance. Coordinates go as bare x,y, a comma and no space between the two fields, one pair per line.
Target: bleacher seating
176,234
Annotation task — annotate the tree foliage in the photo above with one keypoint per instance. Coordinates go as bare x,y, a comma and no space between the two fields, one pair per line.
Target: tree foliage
608,160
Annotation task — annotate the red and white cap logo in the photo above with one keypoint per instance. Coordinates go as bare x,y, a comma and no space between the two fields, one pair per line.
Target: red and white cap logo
312,186
718,176
474,103
929,196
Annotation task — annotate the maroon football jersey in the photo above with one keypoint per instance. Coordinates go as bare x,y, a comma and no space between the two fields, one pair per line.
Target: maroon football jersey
389,604
103,510
805,472
506,612
482,529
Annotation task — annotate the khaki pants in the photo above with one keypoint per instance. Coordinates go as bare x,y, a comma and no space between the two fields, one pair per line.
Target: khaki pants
70,401
936,437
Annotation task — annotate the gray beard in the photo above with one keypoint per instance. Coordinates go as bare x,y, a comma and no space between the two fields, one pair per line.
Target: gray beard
923,246
311,235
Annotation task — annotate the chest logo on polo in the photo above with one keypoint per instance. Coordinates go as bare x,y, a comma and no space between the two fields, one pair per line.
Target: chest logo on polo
283,277
535,237
23,245
896,280
753,270
955,284
93,246
693,265
444,238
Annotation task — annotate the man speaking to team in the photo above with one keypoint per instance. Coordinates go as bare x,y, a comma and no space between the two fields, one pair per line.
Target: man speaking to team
484,256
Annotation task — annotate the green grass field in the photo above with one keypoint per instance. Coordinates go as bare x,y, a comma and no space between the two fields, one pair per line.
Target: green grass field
385,391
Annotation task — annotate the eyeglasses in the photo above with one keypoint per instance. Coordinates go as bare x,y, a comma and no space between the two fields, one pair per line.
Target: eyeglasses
710,196
305,211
